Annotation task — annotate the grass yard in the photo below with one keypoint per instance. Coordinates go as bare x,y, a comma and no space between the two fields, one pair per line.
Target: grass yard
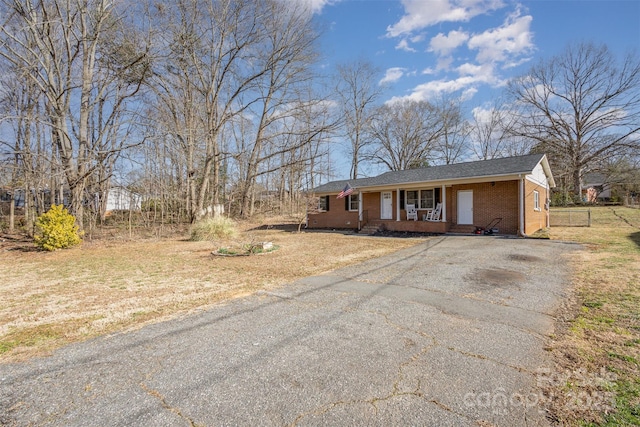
109,285
597,347
50,299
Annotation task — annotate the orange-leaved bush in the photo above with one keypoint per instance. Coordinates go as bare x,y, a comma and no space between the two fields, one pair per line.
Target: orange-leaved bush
56,229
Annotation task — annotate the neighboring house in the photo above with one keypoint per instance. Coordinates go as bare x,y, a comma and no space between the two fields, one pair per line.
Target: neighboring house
595,188
20,196
121,199
118,198
511,192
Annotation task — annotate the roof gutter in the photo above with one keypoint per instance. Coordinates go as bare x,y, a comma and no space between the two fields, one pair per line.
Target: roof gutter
434,183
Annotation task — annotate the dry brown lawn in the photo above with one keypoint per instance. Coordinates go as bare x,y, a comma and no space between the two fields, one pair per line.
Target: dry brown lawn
52,299
598,331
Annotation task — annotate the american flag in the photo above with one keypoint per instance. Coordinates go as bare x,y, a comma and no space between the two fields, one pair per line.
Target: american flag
345,192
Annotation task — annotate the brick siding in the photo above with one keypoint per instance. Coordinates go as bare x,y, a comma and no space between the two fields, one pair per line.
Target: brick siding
535,219
336,217
491,200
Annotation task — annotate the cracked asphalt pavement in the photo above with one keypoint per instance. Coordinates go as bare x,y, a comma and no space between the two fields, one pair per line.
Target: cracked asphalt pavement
447,333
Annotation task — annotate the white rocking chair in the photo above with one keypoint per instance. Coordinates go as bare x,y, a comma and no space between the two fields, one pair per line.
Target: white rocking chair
412,212
434,215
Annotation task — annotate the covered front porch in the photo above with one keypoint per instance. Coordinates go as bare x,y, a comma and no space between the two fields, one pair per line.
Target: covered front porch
387,210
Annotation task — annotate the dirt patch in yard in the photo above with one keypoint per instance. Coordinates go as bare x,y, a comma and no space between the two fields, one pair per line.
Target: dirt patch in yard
106,285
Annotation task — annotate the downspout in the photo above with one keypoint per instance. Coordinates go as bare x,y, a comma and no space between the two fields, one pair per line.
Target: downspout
522,231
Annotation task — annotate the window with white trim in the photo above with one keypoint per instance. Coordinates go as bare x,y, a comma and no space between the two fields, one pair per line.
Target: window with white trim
323,203
427,199
353,202
411,198
421,199
536,200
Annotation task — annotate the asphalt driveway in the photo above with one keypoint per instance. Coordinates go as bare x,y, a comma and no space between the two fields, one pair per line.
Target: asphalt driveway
449,332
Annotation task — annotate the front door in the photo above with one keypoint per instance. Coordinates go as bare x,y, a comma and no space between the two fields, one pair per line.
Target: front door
465,207
386,208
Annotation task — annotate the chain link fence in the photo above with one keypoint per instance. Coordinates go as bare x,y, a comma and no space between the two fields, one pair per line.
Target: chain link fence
570,218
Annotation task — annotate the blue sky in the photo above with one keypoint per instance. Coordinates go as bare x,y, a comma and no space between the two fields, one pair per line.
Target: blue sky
463,48
467,48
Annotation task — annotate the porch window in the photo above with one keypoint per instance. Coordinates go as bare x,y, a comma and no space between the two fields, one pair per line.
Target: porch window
353,202
411,198
421,199
427,199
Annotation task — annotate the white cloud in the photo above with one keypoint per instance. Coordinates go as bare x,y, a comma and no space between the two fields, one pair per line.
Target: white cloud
444,63
468,94
315,6
404,45
434,88
505,46
512,39
421,14
482,114
469,69
482,73
515,63
470,77
392,75
444,44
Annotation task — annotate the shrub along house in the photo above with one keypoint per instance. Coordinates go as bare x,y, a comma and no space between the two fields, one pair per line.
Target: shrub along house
510,194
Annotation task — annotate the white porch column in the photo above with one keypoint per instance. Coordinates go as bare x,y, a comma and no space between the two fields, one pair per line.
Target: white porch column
359,210
397,204
443,193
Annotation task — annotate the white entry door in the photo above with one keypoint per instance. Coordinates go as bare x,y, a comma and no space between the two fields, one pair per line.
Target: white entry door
386,208
465,207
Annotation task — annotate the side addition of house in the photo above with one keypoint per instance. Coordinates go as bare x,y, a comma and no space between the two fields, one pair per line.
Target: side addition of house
509,193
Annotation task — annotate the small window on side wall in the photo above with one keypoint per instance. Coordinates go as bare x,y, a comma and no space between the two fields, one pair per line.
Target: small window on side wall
536,200
323,203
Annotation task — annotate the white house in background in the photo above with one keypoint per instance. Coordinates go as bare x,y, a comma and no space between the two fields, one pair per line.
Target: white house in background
121,199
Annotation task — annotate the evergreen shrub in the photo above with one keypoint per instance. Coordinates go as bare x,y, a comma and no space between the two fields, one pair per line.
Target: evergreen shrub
56,229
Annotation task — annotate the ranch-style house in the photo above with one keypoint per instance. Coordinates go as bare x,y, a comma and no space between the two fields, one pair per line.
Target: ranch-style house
506,195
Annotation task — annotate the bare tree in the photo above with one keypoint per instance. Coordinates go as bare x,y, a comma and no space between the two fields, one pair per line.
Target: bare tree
26,145
230,70
72,51
452,145
305,142
582,105
489,131
404,134
285,58
358,91
289,144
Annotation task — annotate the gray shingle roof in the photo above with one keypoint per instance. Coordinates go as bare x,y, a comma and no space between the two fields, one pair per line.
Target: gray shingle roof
482,168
